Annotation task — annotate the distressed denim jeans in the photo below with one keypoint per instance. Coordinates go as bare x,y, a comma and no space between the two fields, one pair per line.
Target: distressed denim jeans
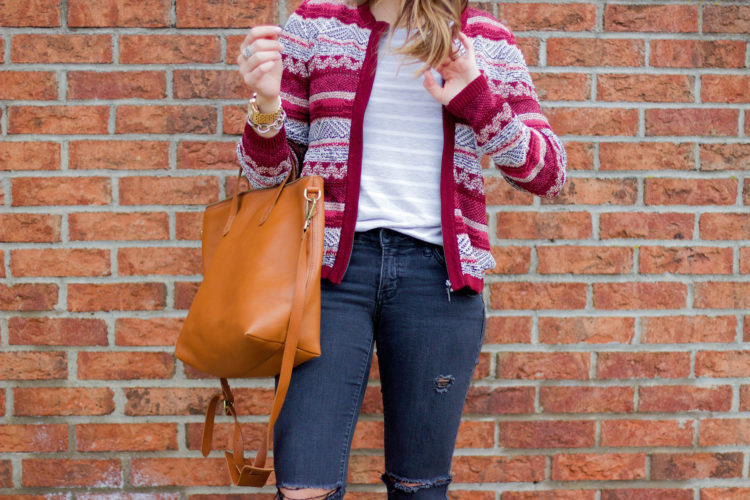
394,297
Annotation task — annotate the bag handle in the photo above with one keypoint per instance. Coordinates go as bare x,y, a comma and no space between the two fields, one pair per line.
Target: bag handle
243,472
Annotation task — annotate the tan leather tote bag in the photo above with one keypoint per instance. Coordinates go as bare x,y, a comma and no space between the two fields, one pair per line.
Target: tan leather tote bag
257,311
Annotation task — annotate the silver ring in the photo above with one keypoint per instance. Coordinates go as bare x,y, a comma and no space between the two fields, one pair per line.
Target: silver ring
247,52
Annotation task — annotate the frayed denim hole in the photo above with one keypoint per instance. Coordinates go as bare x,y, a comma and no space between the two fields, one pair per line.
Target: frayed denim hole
323,496
443,382
393,481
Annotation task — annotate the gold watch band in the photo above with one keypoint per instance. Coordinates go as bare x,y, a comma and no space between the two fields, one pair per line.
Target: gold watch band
258,118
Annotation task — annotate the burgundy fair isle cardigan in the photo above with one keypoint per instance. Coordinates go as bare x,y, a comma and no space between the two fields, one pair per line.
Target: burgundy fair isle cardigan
329,59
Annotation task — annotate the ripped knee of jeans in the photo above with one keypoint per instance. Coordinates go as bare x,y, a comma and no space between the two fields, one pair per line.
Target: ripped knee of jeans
283,495
394,482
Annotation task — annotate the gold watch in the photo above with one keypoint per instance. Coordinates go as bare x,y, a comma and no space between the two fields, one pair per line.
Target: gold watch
262,119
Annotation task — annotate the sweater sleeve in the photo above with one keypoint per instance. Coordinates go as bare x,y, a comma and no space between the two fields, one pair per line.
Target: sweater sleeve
502,107
267,161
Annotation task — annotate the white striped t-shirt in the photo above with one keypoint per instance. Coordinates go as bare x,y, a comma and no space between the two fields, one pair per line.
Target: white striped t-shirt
402,150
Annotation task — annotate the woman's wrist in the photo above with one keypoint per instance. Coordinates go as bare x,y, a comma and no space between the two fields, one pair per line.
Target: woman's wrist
266,105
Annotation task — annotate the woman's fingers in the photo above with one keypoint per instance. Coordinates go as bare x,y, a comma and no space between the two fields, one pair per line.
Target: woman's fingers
432,86
260,32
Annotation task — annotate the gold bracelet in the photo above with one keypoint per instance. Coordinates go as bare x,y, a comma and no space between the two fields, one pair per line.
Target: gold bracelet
264,122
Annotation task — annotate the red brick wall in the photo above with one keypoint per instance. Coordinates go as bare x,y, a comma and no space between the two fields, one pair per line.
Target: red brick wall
616,357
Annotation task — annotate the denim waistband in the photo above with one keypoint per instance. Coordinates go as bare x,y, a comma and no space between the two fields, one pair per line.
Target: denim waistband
383,237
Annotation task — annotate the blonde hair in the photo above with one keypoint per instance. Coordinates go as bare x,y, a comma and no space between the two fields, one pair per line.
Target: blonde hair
432,25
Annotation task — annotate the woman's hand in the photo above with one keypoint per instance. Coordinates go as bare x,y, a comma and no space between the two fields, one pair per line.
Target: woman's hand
457,74
262,71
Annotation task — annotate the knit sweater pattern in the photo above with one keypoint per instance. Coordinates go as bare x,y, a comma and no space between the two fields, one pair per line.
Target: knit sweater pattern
329,62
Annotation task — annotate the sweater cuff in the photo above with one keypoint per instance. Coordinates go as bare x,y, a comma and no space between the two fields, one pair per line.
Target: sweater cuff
463,105
265,149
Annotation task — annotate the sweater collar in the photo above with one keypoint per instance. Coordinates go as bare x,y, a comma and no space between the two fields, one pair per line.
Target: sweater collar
366,15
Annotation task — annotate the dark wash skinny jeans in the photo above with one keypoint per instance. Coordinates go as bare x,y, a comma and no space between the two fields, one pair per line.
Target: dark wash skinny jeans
428,339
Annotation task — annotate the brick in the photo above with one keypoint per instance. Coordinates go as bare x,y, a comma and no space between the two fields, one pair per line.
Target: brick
671,466
598,467
744,397
685,260
225,14
57,331
169,49
544,225
543,365
562,86
725,88
586,191
365,469
639,433
60,120
500,400
37,228
134,261
234,119
103,226
646,494
690,191
745,260
33,438
580,155
207,155
592,330
646,156
464,495
71,473
115,13
188,225
678,398
651,18
147,332
28,297
28,85
507,330
29,156
726,19
595,52
42,13
168,401
60,262
697,53
547,434
511,260
584,260
688,329
645,88
640,295
473,435
62,401
179,471
118,155
658,226
623,365
117,85
719,157
724,493
724,226
520,295
40,191
116,296
545,16
550,495
722,364
473,469
722,295
209,84
184,292
60,49
6,474
126,437
198,190
594,121
724,431
125,365
131,496
576,399
166,119
691,121
33,365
